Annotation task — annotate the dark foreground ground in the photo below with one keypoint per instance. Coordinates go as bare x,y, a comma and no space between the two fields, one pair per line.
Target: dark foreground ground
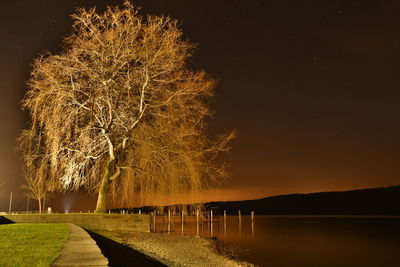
121,255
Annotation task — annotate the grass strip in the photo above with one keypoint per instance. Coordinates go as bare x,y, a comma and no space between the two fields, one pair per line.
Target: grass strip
31,244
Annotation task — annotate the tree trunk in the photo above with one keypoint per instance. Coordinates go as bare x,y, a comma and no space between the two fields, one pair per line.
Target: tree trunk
102,198
40,205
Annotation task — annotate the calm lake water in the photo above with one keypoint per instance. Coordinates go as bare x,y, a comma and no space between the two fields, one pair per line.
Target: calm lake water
299,240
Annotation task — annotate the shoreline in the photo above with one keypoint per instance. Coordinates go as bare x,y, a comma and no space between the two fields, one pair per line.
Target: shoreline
174,250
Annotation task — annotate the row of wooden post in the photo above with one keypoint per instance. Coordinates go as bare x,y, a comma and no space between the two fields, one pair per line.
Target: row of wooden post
197,214
198,220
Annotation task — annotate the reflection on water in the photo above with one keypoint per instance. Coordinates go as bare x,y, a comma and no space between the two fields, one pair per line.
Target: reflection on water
297,240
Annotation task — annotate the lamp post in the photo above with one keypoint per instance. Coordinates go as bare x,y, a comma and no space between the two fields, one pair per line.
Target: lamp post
9,208
27,205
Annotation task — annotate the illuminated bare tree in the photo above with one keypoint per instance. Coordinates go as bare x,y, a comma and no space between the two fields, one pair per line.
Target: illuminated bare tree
35,165
36,187
120,111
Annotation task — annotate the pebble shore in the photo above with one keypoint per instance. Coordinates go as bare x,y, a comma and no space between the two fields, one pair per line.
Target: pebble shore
174,250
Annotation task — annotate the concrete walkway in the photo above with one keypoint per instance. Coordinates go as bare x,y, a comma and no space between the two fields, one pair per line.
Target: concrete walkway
80,250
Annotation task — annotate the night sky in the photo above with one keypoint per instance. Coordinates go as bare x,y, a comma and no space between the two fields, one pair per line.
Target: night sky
312,86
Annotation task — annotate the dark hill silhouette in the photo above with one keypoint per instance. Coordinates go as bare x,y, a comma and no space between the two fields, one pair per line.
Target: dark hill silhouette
374,201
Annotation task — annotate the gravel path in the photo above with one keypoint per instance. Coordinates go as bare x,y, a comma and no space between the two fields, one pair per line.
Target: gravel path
174,250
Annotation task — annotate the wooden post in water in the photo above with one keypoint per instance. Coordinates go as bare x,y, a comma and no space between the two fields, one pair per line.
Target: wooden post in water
211,223
183,214
202,216
173,219
169,221
252,224
197,222
225,224
240,224
154,220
